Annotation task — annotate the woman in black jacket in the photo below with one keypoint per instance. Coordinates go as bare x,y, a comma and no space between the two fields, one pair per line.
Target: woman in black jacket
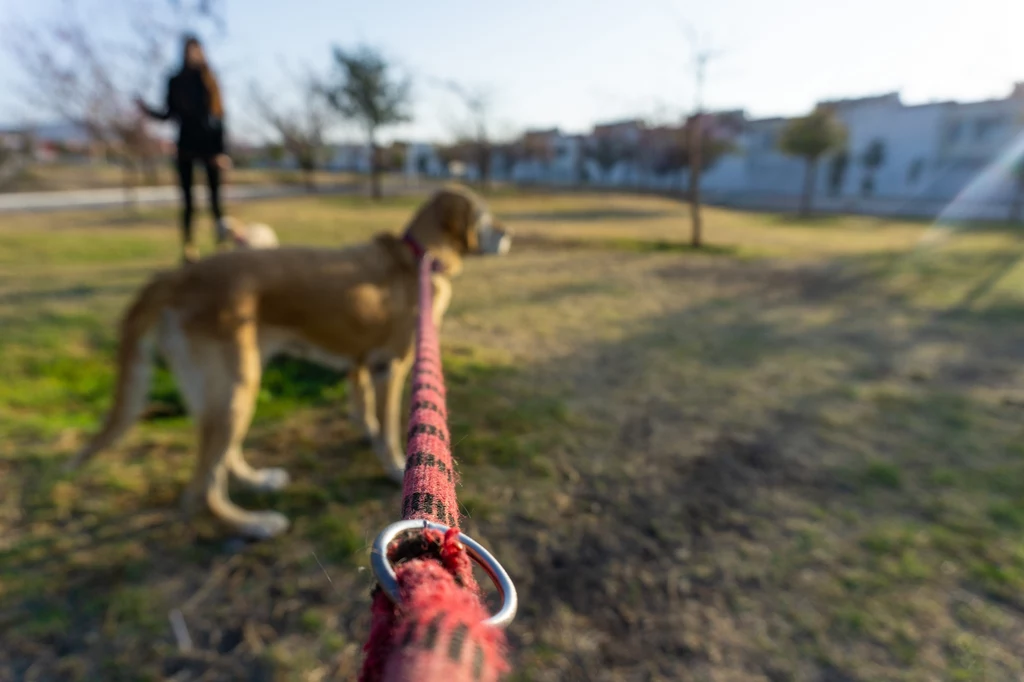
194,102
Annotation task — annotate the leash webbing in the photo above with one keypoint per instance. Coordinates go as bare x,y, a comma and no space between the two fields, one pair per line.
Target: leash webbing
436,633
430,478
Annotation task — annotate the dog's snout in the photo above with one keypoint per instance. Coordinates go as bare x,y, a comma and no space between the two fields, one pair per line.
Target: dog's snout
495,239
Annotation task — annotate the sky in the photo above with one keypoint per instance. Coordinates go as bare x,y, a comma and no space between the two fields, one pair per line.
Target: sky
571,63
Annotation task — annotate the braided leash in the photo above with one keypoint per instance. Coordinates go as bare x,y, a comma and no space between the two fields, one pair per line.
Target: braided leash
429,621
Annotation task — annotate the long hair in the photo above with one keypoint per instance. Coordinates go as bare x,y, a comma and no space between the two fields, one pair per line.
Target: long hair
206,74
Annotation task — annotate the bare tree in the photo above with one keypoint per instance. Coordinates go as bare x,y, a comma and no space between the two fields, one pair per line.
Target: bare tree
302,129
366,91
191,11
478,103
72,76
701,55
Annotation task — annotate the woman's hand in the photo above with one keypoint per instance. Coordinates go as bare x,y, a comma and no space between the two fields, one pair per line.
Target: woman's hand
223,161
141,105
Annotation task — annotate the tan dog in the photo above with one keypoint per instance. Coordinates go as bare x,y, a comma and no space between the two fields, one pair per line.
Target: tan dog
218,321
248,235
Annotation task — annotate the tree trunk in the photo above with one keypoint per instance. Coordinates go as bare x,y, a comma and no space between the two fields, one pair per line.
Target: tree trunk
374,169
484,161
808,197
309,177
696,234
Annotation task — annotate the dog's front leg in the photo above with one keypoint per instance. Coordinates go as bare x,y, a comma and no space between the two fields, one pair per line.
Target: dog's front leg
442,298
362,402
389,380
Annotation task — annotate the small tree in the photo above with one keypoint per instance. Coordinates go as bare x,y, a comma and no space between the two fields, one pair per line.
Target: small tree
874,157
478,102
607,154
810,137
365,91
837,172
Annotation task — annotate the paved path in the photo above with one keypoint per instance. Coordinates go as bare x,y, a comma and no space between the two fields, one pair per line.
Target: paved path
150,196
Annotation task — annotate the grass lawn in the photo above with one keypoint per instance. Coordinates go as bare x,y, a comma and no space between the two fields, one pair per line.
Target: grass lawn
798,455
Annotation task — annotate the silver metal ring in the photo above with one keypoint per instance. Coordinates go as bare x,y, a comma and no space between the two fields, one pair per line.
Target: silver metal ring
388,581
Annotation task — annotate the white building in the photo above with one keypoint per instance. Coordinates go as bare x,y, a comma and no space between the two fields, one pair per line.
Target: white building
954,159
422,160
935,158
543,156
350,157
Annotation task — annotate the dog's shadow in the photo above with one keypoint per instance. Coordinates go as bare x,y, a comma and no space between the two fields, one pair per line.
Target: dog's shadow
78,536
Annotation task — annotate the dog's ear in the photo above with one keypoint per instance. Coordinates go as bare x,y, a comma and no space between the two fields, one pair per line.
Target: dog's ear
458,215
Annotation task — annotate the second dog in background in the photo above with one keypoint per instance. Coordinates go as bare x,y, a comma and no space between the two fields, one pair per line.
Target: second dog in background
248,235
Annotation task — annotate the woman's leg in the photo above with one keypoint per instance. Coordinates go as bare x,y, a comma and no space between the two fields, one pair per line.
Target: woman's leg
185,163
213,180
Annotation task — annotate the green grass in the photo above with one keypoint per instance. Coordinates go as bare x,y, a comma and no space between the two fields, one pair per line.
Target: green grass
883,475
800,458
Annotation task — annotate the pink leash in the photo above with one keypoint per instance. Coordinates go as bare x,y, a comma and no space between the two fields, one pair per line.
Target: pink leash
429,621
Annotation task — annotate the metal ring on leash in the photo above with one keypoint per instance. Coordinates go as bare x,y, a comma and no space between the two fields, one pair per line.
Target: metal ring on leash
388,581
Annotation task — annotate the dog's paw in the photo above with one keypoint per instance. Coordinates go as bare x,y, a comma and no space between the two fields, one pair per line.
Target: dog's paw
264,525
397,475
189,502
272,480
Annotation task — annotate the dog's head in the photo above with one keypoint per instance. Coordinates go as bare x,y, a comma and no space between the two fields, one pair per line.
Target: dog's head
457,221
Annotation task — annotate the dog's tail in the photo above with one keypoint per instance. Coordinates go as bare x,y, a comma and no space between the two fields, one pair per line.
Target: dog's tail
134,366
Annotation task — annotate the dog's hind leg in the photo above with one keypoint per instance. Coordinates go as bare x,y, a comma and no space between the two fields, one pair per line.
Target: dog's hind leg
232,372
187,368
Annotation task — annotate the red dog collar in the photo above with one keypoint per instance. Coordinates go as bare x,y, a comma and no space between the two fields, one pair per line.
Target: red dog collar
417,250
419,253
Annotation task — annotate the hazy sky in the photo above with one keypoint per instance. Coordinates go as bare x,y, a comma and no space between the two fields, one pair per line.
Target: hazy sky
570,63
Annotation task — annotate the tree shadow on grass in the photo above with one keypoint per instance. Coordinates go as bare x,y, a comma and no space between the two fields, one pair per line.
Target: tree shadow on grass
614,214
624,245
647,547
64,294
